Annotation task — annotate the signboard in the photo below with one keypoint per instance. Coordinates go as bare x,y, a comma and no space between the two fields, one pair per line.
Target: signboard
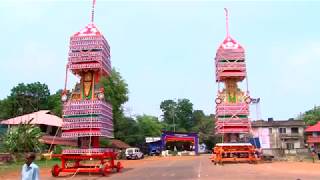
152,139
181,135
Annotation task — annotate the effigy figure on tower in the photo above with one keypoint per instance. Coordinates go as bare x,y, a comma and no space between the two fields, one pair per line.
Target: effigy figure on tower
232,104
87,117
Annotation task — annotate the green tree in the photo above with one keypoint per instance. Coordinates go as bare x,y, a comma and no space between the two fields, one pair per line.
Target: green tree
204,126
23,138
311,117
149,126
128,131
184,114
6,108
177,115
25,98
55,104
168,108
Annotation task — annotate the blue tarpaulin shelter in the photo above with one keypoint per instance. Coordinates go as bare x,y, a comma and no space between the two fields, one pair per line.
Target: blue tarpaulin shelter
256,142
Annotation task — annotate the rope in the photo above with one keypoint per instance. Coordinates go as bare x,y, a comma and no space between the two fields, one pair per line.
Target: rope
66,79
91,118
224,115
54,137
247,83
74,174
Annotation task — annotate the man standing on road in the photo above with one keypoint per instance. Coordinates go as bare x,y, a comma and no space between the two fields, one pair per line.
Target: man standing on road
30,171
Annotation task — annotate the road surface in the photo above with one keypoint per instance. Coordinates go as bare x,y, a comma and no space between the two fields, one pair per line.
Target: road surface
198,167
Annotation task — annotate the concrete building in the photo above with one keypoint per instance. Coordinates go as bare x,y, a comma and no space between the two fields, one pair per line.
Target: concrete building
280,137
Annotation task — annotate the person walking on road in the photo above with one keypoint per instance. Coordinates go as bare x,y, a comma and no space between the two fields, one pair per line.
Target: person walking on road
30,171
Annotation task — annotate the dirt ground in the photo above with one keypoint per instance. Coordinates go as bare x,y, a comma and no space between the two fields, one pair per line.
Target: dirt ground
194,167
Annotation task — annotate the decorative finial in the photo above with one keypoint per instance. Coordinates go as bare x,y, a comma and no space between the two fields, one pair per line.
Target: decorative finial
92,11
227,22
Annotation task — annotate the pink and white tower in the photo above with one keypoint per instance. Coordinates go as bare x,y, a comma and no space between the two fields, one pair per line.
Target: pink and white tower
86,115
232,104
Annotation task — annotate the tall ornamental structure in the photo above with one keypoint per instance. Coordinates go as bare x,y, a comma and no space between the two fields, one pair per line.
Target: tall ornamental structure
87,117
232,103
86,114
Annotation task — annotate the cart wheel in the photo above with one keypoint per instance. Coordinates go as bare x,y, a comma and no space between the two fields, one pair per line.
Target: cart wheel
105,169
119,166
55,170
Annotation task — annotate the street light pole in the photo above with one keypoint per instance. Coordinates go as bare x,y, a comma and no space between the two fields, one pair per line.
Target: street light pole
174,124
172,116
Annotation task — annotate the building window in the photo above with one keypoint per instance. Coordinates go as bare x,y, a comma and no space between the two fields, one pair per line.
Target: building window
282,130
290,146
295,130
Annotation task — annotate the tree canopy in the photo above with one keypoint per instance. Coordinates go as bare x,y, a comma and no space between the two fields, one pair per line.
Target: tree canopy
149,126
55,104
25,98
312,116
204,126
177,115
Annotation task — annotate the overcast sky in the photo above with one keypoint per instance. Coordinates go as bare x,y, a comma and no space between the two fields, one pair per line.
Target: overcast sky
165,50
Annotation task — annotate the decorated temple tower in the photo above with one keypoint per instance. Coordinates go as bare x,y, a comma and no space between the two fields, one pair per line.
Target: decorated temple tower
86,114
87,117
232,103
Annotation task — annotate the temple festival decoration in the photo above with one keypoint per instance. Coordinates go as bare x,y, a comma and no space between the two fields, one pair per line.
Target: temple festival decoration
87,116
232,103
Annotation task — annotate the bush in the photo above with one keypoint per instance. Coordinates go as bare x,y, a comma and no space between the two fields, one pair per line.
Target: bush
23,138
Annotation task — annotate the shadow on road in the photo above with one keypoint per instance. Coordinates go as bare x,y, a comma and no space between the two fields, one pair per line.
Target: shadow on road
92,176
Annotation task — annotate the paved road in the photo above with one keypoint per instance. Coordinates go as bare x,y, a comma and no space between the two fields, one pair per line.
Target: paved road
172,168
198,167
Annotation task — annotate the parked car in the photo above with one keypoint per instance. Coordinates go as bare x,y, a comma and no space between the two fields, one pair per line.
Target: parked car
134,153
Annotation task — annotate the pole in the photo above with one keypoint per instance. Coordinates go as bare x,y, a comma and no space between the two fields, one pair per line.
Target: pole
174,124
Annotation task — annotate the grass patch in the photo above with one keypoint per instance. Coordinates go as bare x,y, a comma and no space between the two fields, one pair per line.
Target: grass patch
16,166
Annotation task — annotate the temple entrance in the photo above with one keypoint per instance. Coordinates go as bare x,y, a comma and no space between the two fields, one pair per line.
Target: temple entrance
180,143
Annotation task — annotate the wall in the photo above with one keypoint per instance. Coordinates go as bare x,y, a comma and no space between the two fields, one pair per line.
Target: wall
264,137
270,137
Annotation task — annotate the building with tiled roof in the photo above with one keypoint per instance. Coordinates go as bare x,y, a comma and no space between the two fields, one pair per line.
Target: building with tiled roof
313,136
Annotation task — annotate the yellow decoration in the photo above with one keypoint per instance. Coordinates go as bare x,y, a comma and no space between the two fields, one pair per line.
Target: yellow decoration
87,87
88,76
231,93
